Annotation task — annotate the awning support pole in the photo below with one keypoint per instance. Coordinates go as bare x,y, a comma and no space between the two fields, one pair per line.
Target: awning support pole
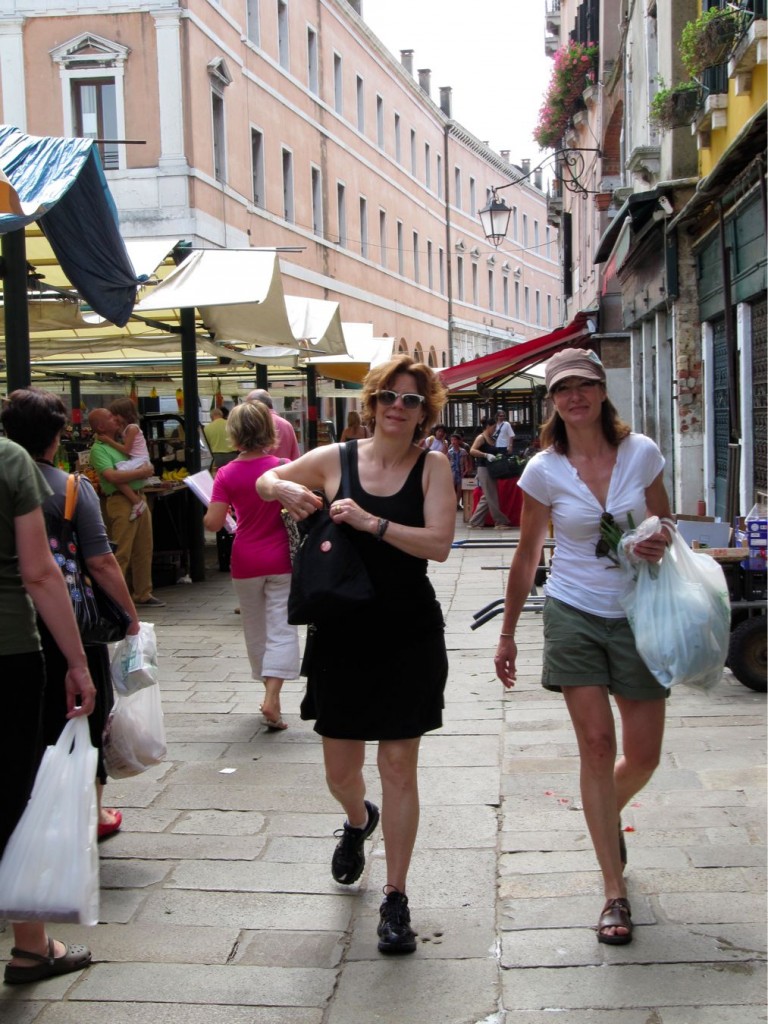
75,398
311,408
196,533
14,273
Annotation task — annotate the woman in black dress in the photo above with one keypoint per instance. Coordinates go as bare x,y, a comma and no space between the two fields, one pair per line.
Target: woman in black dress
372,675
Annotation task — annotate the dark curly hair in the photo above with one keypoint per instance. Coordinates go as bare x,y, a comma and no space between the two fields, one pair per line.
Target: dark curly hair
33,419
428,384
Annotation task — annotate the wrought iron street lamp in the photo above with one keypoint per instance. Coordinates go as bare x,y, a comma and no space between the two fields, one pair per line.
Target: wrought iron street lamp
494,218
569,168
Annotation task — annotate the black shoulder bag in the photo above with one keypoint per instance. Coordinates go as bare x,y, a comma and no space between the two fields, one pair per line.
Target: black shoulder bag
100,619
329,577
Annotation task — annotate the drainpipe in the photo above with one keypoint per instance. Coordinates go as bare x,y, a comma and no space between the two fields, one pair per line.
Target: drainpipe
734,425
195,510
445,106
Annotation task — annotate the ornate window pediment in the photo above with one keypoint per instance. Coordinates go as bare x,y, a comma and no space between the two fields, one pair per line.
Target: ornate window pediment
219,72
90,51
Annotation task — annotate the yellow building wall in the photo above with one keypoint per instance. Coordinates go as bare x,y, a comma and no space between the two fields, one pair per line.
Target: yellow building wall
740,110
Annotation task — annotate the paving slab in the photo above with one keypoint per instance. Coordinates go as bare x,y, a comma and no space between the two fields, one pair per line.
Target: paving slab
218,907
180,1013
621,987
386,990
233,985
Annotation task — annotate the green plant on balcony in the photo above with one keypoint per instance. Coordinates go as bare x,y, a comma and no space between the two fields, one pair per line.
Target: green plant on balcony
574,69
709,39
676,106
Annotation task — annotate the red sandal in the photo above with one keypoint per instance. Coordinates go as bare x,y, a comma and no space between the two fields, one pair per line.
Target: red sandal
105,829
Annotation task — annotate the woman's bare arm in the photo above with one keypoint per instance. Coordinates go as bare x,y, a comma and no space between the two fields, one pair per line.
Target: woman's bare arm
534,523
45,584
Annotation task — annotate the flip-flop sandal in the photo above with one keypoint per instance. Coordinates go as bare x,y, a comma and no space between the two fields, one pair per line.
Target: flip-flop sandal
274,724
616,914
75,958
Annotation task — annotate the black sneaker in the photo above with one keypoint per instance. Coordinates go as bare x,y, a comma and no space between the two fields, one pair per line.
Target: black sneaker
394,930
348,857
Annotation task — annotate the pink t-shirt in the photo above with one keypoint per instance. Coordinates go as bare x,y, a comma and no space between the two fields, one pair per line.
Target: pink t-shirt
260,547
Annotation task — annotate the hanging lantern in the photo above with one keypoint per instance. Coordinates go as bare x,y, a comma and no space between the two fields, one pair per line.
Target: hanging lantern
153,392
180,399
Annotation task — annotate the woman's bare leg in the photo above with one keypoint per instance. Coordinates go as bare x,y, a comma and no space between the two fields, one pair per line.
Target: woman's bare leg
398,768
344,761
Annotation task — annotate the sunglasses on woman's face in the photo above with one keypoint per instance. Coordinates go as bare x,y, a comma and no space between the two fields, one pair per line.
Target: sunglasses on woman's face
603,548
410,400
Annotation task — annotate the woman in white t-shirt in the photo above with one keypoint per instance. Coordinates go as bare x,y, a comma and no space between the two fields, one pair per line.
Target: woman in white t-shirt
591,466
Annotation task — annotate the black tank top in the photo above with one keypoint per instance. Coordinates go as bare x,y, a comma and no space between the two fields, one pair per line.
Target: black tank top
399,580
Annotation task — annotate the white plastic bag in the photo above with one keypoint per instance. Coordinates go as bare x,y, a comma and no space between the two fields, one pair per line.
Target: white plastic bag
134,738
679,611
134,662
50,867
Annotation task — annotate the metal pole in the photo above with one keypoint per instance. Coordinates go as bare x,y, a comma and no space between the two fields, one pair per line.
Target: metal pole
195,532
14,273
262,377
311,408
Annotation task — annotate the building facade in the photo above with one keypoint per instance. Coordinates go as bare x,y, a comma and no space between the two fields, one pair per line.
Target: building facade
674,220
263,123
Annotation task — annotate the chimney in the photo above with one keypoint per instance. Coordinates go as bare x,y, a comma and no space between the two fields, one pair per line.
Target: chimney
505,155
445,100
406,59
537,178
526,167
425,79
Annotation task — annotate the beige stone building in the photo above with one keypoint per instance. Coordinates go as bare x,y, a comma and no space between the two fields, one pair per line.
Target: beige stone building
268,123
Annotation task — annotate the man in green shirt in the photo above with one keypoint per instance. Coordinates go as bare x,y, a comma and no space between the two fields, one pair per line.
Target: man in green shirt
218,439
132,537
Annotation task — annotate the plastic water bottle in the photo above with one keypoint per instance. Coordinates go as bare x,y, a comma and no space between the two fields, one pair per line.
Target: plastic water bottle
756,523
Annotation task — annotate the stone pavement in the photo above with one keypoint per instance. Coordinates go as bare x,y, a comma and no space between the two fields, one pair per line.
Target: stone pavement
218,905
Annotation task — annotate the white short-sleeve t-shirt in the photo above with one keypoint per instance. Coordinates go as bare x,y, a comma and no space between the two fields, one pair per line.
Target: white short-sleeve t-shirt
578,577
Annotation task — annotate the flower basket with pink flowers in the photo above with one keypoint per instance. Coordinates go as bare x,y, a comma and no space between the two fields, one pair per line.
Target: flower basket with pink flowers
575,66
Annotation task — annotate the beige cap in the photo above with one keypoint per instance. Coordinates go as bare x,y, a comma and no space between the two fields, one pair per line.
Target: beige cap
573,362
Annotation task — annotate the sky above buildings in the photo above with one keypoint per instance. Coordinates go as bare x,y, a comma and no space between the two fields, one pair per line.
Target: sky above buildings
491,53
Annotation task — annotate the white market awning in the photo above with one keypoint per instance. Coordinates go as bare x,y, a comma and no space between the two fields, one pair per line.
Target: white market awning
239,295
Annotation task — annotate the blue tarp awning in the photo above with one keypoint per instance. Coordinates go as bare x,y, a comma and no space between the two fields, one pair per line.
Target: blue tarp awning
61,184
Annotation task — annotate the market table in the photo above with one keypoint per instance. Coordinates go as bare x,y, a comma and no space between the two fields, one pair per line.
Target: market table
169,504
510,501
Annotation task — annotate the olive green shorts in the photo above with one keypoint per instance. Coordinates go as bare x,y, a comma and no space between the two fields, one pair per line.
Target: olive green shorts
588,650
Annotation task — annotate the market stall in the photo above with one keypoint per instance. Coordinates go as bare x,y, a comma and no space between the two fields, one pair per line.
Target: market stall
510,501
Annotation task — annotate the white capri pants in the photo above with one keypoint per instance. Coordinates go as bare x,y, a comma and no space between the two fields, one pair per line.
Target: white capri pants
272,644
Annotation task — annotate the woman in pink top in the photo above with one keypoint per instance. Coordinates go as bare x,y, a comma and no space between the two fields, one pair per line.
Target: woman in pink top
261,563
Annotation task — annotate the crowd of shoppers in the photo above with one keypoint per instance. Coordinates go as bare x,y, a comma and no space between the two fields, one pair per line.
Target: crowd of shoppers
399,509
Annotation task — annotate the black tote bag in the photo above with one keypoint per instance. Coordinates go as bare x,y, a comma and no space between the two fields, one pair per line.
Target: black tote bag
329,577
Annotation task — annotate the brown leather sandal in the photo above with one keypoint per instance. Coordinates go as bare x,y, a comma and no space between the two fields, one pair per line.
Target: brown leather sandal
616,914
